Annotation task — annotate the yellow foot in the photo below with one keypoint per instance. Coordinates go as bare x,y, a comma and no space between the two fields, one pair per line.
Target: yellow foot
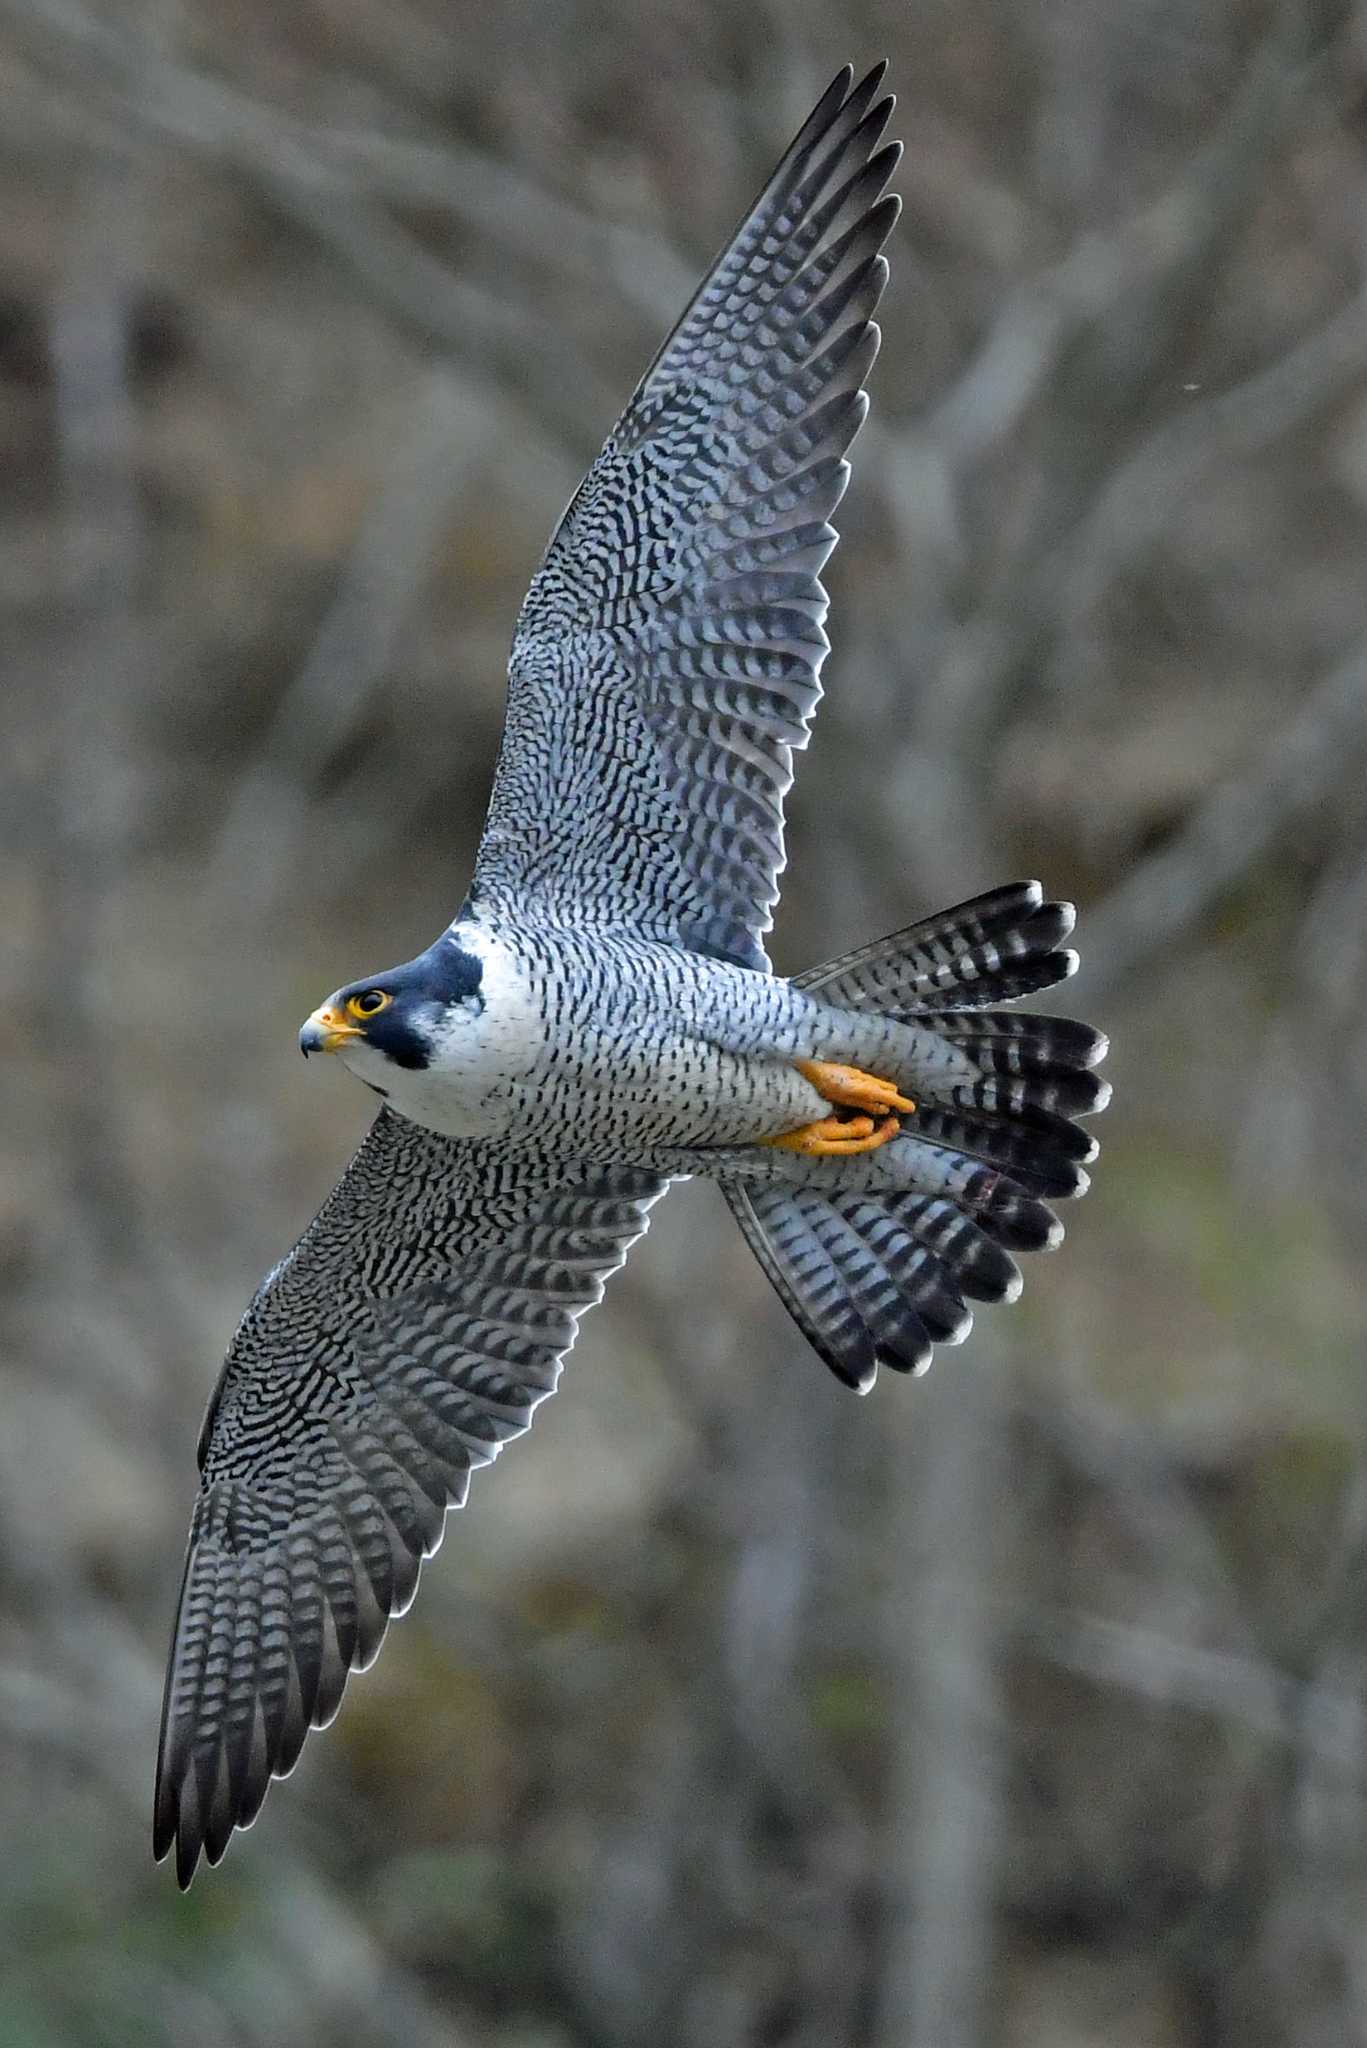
836,1136
851,1088
848,1088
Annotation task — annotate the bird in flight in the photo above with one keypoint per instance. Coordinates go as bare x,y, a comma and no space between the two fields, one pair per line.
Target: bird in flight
601,1019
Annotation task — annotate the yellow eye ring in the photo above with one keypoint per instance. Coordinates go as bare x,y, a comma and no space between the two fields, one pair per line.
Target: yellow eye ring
368,1003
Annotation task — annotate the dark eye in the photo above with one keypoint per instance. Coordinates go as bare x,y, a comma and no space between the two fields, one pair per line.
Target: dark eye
369,1002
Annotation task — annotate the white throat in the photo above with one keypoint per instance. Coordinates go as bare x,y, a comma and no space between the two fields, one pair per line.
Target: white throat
481,1050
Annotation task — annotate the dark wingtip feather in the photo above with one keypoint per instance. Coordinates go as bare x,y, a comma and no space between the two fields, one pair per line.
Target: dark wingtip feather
860,1380
163,1815
910,1353
824,112
189,1837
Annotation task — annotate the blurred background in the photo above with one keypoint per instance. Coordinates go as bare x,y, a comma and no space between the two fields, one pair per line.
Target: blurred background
1018,1708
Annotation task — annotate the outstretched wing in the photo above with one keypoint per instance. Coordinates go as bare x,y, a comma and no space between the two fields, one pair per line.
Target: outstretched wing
410,1332
667,658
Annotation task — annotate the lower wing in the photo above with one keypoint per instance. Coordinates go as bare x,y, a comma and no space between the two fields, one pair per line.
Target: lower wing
411,1331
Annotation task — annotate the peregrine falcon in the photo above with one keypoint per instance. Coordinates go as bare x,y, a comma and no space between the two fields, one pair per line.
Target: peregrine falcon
601,1019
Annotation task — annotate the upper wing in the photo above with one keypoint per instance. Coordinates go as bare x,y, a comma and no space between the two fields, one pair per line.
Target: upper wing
667,657
413,1329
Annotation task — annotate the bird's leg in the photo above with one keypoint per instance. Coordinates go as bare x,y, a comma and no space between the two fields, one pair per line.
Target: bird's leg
848,1088
834,1136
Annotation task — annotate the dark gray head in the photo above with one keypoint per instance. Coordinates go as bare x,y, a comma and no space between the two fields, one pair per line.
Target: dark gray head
397,1013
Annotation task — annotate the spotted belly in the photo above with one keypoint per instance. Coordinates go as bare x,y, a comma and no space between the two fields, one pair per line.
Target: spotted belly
675,1091
601,1046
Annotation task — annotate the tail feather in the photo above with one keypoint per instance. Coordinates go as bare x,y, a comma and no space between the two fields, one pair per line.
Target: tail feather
1025,978
992,949
1005,1205
1055,1092
1055,1042
912,1269
1044,1156
982,1269
881,1277
886,1298
810,1285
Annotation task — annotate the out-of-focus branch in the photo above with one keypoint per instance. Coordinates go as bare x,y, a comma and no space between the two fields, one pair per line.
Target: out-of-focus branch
1230,427
1133,270
1137,1472
516,214
1097,330
1237,826
333,185
1237,1687
96,778
437,307
1083,346
940,1851
104,531
1312,1130
262,833
92,1709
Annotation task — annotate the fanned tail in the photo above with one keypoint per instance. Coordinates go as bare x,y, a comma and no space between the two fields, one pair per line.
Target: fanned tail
992,949
879,1278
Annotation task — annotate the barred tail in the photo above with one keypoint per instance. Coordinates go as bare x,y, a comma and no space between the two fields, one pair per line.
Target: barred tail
880,1278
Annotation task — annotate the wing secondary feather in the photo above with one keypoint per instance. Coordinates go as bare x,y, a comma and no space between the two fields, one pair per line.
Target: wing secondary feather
667,659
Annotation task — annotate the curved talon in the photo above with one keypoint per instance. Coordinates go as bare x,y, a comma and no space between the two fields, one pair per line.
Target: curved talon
851,1087
836,1136
847,1088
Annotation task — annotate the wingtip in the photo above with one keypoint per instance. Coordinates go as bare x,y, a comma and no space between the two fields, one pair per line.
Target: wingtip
187,1860
164,1814
835,98
175,1825
1066,915
858,1371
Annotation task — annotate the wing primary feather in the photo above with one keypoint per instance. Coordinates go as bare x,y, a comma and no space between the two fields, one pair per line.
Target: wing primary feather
317,1510
729,459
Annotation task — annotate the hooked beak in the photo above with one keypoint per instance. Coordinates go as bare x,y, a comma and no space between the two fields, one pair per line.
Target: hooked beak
327,1030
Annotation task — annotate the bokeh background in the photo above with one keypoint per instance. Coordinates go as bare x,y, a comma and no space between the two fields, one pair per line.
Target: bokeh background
1018,1708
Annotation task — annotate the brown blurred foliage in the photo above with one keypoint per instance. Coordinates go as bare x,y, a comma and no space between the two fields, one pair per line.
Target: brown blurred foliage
1021,1707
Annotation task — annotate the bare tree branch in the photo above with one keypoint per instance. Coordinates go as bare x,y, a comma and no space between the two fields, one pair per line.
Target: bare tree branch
1240,824
262,833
